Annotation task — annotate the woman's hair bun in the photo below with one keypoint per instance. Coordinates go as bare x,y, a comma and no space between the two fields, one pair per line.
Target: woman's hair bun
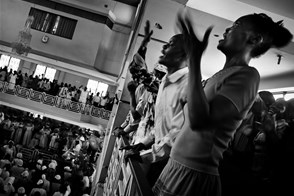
281,35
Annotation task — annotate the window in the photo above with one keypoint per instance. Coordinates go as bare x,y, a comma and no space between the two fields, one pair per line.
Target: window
40,70
52,23
289,96
10,62
50,73
4,60
44,71
286,93
94,87
277,96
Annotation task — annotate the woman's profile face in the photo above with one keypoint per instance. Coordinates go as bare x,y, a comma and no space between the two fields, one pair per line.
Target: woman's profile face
236,38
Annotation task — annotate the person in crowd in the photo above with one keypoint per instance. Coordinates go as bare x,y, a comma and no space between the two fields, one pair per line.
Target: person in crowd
30,81
83,95
17,170
19,78
54,88
63,94
67,174
69,96
25,80
21,191
8,185
97,99
36,172
51,171
65,190
138,70
46,85
216,107
53,145
12,80
41,82
104,100
76,96
35,83
46,183
28,132
56,184
8,74
39,188
89,99
17,158
2,118
9,149
18,132
6,123
44,138
111,102
24,182
3,74
170,101
5,170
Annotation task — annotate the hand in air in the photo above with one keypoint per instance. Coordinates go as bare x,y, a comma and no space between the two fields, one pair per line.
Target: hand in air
193,46
148,32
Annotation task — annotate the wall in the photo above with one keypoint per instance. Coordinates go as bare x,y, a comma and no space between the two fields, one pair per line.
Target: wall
123,13
111,52
82,48
74,80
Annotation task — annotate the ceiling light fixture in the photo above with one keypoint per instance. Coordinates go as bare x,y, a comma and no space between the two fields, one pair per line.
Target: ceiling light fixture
279,58
22,45
158,26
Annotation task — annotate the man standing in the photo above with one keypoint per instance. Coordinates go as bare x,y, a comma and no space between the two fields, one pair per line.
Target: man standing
169,105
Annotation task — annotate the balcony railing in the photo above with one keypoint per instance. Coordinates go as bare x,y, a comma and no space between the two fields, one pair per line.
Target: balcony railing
124,177
55,101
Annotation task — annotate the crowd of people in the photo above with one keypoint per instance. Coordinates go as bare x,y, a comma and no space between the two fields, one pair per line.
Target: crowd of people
189,132
64,90
71,168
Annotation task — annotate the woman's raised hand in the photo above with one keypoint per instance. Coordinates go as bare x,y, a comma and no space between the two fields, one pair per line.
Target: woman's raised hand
193,46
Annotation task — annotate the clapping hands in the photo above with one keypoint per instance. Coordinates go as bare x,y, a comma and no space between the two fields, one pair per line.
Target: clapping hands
193,46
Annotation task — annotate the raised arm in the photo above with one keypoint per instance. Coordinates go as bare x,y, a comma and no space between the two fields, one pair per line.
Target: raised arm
197,103
143,47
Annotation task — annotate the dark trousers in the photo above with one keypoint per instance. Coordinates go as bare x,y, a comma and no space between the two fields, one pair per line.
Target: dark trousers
155,171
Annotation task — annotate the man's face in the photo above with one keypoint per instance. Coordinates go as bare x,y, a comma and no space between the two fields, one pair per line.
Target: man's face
173,52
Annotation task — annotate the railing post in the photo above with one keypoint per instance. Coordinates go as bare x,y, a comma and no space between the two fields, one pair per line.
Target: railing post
109,141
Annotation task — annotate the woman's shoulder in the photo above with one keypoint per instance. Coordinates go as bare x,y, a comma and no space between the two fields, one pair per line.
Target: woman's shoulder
250,70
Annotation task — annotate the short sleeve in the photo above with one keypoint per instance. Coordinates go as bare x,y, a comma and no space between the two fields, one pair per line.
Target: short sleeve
241,87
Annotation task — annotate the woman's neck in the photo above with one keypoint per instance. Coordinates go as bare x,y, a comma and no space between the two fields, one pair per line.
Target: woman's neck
237,60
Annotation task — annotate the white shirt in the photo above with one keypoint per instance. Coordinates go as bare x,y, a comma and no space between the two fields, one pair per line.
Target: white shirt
169,105
169,116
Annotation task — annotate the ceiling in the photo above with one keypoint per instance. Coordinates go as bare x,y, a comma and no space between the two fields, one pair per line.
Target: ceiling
221,14
281,7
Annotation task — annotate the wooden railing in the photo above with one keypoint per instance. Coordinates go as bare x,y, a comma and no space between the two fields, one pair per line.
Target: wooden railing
55,101
124,177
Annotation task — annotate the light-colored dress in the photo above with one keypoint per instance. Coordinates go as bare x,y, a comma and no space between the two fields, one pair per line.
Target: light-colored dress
44,138
27,135
12,80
